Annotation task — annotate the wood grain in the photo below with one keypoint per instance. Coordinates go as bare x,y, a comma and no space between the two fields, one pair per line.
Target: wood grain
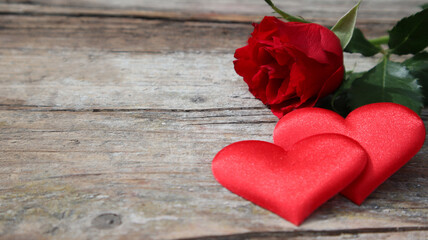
384,10
380,13
110,117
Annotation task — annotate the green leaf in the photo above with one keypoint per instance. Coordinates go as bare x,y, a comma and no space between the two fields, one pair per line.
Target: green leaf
350,78
339,101
386,82
348,81
418,67
410,34
344,28
424,6
359,44
285,15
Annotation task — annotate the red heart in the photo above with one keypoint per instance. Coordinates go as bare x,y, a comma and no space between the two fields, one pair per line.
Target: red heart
390,133
290,183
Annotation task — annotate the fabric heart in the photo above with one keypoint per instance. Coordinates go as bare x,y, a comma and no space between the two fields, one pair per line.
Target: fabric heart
390,133
290,183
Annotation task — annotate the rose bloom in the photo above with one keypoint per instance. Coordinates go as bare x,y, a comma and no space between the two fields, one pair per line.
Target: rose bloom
290,65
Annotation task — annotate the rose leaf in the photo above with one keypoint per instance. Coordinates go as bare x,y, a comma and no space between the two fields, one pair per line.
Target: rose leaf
339,99
344,28
359,44
410,34
387,82
418,67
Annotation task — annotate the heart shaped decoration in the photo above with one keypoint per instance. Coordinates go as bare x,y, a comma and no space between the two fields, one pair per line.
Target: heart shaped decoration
390,133
290,183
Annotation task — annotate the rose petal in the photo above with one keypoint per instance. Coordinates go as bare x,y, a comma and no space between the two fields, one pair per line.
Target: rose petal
266,28
258,85
243,52
245,68
308,38
332,83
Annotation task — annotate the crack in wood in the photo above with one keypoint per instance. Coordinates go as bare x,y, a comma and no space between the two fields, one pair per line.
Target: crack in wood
240,122
308,233
177,110
163,17
96,110
77,175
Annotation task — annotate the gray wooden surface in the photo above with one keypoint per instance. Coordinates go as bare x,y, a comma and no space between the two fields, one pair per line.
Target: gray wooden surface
111,112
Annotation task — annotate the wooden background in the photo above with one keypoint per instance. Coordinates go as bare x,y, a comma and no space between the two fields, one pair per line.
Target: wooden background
111,112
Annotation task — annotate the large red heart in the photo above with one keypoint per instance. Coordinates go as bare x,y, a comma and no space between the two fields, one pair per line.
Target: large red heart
390,133
290,183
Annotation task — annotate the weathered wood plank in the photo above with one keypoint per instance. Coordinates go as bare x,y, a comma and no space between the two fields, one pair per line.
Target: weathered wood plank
386,10
77,80
63,169
383,13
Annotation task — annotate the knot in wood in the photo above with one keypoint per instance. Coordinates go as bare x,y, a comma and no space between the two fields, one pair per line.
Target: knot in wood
107,221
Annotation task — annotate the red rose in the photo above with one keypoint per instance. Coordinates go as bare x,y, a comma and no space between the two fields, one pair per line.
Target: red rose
289,65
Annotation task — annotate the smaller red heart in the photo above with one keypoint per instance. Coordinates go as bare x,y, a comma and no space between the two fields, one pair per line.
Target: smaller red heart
290,183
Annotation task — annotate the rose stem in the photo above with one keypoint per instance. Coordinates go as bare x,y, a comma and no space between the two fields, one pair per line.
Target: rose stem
379,40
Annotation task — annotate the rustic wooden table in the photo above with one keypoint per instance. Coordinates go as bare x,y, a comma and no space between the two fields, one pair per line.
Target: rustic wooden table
111,112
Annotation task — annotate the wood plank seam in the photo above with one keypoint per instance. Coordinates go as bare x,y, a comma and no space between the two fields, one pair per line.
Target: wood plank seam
40,10
309,233
34,9
126,16
50,109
